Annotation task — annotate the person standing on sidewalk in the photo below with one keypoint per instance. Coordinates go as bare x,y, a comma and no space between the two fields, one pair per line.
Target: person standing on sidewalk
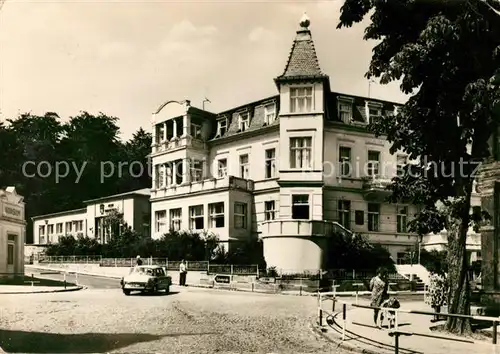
182,273
437,290
138,261
379,286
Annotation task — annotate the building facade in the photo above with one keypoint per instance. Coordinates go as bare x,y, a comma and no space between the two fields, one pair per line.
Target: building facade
287,169
12,233
439,242
133,206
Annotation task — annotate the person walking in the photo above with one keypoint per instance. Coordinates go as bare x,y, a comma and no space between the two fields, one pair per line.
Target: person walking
437,290
138,261
379,286
182,273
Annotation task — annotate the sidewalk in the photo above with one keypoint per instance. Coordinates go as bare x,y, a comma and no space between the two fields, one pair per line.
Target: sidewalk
362,336
28,289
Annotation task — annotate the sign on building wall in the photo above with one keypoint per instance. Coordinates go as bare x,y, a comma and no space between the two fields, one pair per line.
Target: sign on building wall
11,211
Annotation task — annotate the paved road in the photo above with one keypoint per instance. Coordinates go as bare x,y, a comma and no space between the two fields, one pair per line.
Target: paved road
189,320
86,280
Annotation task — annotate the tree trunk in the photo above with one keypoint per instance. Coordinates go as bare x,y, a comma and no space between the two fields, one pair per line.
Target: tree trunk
458,282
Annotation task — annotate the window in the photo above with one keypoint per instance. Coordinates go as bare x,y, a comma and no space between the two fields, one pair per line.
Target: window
216,211
175,219
69,227
50,229
160,171
345,112
269,114
402,220
196,217
160,220
270,163
373,217
221,127
300,152
196,170
300,206
344,207
373,163
345,161
240,215
244,166
243,121
374,114
400,164
59,228
169,172
222,168
270,210
196,131
160,133
359,217
10,254
301,99
78,225
41,229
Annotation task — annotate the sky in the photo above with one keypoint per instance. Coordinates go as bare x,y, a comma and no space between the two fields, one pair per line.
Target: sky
125,58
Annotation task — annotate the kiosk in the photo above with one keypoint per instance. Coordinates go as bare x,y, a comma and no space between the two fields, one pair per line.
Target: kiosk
12,233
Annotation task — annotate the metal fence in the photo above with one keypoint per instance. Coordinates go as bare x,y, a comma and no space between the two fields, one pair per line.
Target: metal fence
314,274
395,331
69,259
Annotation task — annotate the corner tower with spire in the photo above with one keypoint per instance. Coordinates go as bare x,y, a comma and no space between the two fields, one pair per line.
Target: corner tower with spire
302,88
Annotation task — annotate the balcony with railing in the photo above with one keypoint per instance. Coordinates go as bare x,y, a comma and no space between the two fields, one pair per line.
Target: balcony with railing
298,228
208,185
178,142
440,241
375,188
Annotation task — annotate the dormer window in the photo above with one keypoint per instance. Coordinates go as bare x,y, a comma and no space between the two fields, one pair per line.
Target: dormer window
374,114
344,105
373,111
221,127
301,99
269,114
243,121
196,131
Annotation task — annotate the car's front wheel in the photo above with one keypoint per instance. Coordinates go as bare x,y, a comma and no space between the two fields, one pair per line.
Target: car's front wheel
167,290
126,292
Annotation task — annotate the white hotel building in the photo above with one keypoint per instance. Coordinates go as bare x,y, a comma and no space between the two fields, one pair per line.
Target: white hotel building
276,169
264,169
133,206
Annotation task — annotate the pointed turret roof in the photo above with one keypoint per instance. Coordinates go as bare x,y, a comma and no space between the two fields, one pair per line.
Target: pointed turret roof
302,62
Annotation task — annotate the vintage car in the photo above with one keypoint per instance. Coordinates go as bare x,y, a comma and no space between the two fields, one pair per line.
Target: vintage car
150,279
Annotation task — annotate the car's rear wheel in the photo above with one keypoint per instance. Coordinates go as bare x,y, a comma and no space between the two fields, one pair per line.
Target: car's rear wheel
167,289
126,292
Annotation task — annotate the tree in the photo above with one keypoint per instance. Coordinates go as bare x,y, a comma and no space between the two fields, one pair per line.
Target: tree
191,246
136,171
446,54
345,251
246,252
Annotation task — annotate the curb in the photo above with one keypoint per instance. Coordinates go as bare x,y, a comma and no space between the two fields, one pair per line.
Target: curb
75,288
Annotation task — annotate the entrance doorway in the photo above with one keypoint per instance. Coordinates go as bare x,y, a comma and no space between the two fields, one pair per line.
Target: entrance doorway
11,253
